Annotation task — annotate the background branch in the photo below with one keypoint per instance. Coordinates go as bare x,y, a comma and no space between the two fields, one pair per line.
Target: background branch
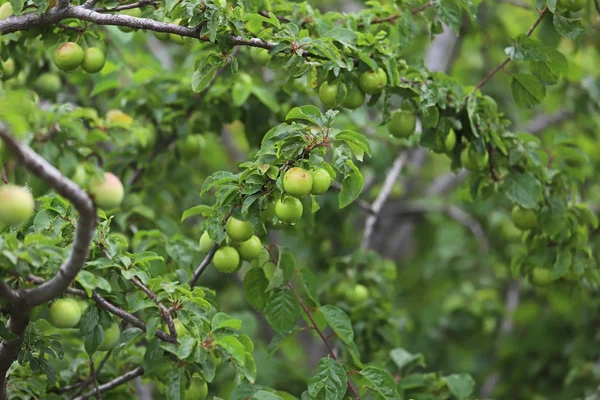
139,371
388,184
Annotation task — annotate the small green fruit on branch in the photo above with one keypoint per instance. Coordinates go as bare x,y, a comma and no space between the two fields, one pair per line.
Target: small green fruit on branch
16,205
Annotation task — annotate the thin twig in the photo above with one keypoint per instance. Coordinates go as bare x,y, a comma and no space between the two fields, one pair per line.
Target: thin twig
321,335
508,59
111,308
379,202
122,7
203,264
80,386
164,311
139,371
94,378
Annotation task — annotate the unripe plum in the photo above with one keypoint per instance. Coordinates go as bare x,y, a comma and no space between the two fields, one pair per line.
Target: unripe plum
297,182
238,230
64,313
205,242
372,82
289,209
402,124
321,181
68,56
93,60
16,204
250,249
226,259
111,337
107,193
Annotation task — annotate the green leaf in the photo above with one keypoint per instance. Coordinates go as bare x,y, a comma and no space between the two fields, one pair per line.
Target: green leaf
175,386
523,189
234,347
339,321
527,90
264,395
355,138
222,320
186,346
282,310
562,264
310,284
402,358
202,77
255,285
460,385
449,12
568,27
351,185
330,381
381,382
306,113
196,210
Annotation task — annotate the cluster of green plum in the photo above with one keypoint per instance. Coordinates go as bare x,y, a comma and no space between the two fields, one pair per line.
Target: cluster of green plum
369,82
68,56
245,246
65,313
17,204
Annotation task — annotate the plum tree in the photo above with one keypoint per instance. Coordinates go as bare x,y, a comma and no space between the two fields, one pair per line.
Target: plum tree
289,209
16,204
9,69
198,389
6,10
118,118
226,259
572,5
174,37
93,60
402,124
260,56
269,268
238,230
111,337
297,182
107,192
268,213
524,218
328,94
472,160
132,12
250,249
321,181
206,242
357,294
64,313
541,276
48,84
68,56
450,141
83,305
355,97
372,82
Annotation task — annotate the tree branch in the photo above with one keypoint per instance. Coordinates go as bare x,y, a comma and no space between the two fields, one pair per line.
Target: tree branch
379,202
139,371
122,7
86,223
321,335
111,308
80,386
203,264
7,293
164,311
543,121
508,59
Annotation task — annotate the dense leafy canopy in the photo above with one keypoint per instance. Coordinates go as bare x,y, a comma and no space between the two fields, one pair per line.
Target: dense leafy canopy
299,200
